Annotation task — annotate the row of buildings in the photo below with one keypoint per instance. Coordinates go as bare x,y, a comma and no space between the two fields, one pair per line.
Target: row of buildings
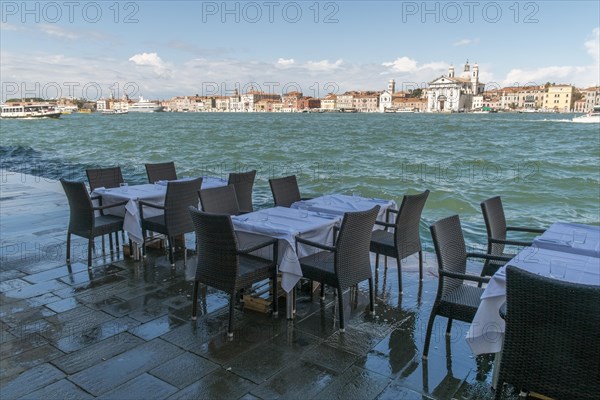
447,93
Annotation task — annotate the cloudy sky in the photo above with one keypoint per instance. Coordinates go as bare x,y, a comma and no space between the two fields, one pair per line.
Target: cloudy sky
160,49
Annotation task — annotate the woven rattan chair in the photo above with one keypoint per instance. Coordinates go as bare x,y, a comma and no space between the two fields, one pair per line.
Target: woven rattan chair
243,183
552,338
104,177
454,299
347,262
161,172
405,239
285,191
220,200
82,219
224,265
176,219
495,224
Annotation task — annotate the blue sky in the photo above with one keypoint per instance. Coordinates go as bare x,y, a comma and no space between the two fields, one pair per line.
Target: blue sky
161,49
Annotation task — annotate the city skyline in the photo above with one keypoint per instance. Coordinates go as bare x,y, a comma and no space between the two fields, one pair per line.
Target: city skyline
160,49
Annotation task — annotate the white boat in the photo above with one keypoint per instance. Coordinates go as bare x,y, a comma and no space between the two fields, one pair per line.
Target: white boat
114,112
593,117
29,111
144,105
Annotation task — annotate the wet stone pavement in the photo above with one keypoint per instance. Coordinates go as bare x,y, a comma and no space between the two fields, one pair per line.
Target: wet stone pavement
122,330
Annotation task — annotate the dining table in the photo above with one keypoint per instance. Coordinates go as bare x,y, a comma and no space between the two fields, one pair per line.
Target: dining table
580,264
285,224
150,192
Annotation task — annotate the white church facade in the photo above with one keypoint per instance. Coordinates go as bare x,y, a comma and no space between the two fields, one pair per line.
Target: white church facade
452,93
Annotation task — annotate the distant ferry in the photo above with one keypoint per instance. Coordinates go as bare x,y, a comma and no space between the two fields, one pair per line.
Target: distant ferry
29,111
145,106
593,117
114,111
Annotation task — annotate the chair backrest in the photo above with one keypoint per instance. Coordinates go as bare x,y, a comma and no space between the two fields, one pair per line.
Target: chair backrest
352,260
218,260
285,190
161,172
104,177
495,223
406,232
180,196
243,183
81,217
551,344
450,250
220,200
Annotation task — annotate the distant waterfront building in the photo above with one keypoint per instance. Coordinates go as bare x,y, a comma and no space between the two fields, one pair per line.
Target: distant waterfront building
450,93
345,101
409,103
329,103
559,98
366,102
591,96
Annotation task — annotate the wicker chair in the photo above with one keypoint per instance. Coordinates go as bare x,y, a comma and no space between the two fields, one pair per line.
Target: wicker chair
454,299
495,224
222,264
82,219
347,262
243,183
552,339
220,200
104,177
405,239
285,191
176,219
161,172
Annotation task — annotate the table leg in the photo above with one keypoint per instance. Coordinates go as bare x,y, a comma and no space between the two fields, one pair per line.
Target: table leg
495,374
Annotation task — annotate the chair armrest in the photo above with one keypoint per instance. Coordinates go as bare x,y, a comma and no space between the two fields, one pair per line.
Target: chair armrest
314,244
511,242
475,278
266,243
153,205
525,229
386,224
488,257
121,203
306,198
242,212
99,198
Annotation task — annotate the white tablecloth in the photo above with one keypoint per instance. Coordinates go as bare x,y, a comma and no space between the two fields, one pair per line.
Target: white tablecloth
340,203
560,237
153,193
486,333
285,224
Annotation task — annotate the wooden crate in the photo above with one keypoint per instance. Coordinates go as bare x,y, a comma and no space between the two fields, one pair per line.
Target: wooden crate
257,304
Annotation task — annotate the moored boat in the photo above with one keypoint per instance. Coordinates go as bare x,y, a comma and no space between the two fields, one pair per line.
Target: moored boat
29,111
144,105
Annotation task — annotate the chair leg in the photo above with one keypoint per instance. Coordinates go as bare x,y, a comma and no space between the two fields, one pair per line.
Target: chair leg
276,296
110,244
376,261
449,327
428,334
90,245
341,305
195,301
421,265
230,328
68,247
322,290
399,274
144,243
170,241
371,297
103,246
117,243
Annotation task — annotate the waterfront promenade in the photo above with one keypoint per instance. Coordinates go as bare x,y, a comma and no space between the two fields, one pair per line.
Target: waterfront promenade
123,329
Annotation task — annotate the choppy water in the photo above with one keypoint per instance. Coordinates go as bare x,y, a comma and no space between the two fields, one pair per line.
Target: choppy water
544,167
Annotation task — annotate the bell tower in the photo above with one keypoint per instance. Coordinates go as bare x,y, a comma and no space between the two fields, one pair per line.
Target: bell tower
391,86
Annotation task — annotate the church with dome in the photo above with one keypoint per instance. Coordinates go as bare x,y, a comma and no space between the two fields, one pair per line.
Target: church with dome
451,93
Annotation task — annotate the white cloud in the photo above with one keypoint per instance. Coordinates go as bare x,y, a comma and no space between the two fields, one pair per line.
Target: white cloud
593,45
464,42
152,61
57,31
402,64
323,65
282,62
5,26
